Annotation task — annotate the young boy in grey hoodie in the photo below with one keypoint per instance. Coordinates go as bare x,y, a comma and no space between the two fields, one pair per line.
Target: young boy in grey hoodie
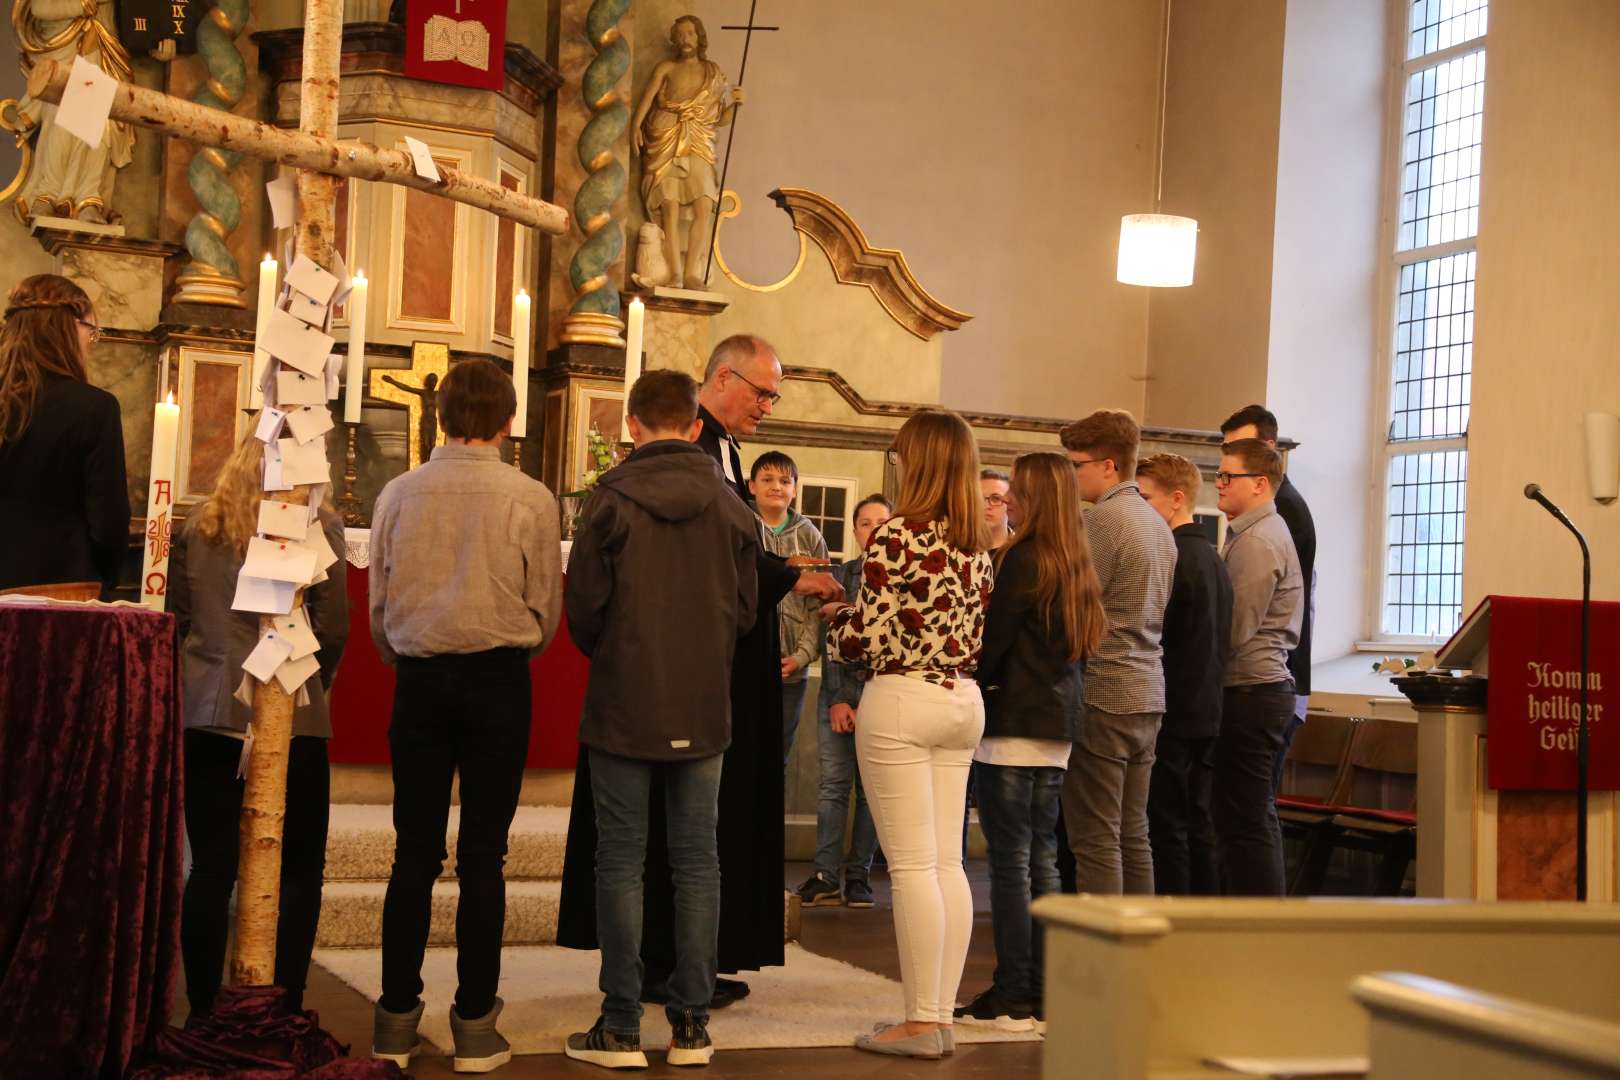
774,481
662,580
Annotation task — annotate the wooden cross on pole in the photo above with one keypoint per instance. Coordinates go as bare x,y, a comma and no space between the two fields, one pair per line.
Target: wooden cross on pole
319,158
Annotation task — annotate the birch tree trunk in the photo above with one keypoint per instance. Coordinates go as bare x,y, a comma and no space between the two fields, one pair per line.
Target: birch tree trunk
264,802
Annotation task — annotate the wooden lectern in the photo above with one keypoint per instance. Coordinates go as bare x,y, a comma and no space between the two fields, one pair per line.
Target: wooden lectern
1496,773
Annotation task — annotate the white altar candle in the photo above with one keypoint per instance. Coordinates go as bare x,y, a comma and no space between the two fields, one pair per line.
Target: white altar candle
160,504
267,303
521,344
632,359
354,384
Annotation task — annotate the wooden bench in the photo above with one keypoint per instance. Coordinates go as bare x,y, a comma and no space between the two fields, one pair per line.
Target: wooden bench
1140,987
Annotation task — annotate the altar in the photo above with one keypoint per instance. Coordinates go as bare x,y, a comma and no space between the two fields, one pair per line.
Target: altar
363,692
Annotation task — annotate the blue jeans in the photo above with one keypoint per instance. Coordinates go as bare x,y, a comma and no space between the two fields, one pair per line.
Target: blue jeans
839,773
1018,811
792,705
619,787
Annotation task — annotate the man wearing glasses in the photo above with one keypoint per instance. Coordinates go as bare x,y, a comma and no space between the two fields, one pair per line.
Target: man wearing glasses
994,485
1268,606
1105,790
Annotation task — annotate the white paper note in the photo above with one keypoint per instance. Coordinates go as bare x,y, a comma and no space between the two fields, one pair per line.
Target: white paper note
304,463
296,388
283,195
279,560
334,375
295,344
422,158
292,673
315,540
301,699
271,652
344,278
244,694
317,496
308,310
277,518
269,428
272,469
309,422
262,595
247,746
88,99
309,279
294,630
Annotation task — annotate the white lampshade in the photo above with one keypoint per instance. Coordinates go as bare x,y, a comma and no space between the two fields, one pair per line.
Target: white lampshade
1603,455
1157,249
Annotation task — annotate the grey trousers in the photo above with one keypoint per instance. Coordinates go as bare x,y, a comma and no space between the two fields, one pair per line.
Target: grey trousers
1105,794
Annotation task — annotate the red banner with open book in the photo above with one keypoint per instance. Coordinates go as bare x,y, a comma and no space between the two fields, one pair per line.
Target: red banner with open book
1533,662
462,42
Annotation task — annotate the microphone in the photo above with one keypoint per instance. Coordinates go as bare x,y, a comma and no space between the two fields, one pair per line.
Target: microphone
1532,491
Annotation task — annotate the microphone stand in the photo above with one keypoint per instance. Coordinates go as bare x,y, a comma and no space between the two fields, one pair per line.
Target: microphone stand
1533,491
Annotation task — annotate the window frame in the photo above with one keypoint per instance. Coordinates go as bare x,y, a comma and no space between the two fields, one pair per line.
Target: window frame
1399,72
850,485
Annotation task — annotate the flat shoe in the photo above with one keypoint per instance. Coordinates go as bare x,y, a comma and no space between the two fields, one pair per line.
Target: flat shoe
929,1045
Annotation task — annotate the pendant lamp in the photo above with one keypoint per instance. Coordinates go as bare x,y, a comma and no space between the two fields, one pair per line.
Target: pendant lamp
1157,249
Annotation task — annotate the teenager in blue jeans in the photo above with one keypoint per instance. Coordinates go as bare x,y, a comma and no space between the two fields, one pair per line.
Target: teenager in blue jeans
1045,617
835,738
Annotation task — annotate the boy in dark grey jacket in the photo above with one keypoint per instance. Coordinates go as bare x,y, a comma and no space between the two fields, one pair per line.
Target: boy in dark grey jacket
661,583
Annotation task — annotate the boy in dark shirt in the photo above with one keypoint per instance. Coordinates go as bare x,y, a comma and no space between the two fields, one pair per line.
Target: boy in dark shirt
661,583
1197,629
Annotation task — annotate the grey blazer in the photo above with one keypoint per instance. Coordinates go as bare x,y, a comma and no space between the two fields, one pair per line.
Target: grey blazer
216,640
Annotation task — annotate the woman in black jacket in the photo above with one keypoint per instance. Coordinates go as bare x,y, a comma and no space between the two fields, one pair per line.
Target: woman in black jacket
1045,616
63,493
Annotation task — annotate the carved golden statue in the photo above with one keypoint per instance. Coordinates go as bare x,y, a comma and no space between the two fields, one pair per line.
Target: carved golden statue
686,101
63,177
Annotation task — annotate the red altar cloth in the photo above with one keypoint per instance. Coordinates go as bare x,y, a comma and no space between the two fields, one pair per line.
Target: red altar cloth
91,845
363,695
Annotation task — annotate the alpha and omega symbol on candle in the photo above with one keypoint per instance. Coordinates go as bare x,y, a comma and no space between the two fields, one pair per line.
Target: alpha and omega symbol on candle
157,583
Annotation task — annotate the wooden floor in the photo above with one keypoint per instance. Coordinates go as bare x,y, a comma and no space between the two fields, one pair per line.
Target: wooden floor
863,938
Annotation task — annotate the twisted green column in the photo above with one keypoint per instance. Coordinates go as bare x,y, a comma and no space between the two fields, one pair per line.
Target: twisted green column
594,314
213,276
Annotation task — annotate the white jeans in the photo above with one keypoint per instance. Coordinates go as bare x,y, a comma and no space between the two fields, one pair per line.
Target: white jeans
915,741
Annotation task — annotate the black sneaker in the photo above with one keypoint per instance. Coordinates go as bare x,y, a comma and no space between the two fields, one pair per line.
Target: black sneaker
689,1041
611,1050
820,891
992,1009
858,894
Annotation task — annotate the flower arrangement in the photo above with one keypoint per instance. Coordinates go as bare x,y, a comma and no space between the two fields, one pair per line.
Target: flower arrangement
601,455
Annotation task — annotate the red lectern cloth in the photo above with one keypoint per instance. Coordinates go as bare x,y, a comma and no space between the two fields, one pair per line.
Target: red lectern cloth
363,695
1534,693
91,836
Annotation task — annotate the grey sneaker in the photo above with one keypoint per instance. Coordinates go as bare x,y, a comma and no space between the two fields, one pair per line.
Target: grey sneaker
393,1035
930,1045
858,893
609,1049
479,1047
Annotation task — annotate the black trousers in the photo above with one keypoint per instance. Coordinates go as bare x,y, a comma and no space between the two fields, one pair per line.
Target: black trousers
1250,836
213,817
1181,827
466,713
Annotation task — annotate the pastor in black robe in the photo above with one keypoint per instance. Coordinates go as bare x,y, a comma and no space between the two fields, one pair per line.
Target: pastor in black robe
751,795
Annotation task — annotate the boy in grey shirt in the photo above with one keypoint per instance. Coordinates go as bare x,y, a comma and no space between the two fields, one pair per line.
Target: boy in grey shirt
1267,610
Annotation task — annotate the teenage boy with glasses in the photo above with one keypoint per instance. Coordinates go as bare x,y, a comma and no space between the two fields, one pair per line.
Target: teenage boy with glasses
1267,608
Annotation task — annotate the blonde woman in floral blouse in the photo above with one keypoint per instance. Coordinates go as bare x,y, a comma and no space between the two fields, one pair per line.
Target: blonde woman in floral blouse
916,625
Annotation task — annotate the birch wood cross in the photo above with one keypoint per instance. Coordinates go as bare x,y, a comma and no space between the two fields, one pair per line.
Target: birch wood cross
319,157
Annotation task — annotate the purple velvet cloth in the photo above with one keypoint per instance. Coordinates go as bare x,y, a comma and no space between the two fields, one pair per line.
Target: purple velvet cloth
90,836
250,1035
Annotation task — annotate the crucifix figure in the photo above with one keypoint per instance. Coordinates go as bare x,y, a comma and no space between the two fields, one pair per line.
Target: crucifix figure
430,361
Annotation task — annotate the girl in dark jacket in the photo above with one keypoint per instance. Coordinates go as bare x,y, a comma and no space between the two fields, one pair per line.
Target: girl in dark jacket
1045,616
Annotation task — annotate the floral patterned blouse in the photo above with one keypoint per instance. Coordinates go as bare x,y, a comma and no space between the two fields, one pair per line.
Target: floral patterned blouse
920,610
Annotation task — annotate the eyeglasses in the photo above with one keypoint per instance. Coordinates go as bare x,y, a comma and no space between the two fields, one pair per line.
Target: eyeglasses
1224,478
765,397
996,500
95,331
1088,461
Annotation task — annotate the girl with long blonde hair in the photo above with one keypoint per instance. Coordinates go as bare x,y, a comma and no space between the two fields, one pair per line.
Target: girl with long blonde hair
1045,618
916,625
204,565
63,492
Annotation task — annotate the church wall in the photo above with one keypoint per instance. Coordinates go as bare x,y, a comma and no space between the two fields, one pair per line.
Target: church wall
1207,347
1547,322
997,153
1326,260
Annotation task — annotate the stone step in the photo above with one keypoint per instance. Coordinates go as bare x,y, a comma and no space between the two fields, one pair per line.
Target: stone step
360,843
351,914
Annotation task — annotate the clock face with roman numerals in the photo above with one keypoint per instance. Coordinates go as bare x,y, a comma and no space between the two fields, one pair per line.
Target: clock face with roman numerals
144,24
